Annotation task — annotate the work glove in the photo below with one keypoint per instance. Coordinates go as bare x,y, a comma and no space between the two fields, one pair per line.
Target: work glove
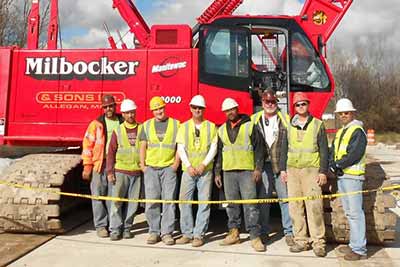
334,168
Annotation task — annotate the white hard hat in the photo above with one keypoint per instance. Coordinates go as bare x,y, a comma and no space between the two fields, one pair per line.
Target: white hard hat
228,104
343,105
198,100
128,105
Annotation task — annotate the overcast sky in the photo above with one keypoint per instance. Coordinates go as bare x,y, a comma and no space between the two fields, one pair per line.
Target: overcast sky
81,21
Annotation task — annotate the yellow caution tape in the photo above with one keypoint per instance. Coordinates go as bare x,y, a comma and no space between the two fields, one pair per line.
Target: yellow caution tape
198,202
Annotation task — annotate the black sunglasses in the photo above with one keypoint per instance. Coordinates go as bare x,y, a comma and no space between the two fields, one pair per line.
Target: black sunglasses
108,106
197,107
301,104
268,102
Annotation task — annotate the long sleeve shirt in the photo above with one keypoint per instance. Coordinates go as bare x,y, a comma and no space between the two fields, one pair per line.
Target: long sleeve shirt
256,138
322,142
112,151
355,149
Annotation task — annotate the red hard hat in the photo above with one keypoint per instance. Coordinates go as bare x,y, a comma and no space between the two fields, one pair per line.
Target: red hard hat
300,96
107,100
269,95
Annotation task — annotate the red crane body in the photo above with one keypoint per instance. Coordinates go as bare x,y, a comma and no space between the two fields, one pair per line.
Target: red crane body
48,96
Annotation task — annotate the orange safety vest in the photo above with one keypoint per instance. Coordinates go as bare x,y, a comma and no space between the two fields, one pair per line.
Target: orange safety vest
93,146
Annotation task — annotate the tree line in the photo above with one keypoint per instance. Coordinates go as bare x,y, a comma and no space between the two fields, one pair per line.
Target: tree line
369,75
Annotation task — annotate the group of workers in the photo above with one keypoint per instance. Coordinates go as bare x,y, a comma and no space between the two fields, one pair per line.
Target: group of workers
249,157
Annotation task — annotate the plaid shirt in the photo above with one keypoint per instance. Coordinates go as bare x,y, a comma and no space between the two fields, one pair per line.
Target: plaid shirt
277,154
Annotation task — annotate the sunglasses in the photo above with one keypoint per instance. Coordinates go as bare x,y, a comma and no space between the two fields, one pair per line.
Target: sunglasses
109,106
344,113
267,102
301,104
197,107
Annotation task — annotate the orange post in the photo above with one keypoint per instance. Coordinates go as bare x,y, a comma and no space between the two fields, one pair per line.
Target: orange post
371,137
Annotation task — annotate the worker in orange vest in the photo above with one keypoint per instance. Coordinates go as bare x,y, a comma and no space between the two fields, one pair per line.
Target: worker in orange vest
94,150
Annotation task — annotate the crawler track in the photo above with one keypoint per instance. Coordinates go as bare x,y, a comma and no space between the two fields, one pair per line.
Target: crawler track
33,211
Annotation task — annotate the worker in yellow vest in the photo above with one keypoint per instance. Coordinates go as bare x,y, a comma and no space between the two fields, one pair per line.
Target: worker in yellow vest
241,154
197,147
159,163
347,161
307,167
123,172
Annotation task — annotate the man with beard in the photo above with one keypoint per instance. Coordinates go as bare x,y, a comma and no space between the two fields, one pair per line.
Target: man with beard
94,153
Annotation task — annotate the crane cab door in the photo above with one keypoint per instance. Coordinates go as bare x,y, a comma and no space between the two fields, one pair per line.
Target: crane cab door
224,60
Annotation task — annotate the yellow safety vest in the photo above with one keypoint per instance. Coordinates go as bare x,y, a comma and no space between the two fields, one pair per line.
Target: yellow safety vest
255,118
341,150
197,149
127,156
303,147
239,155
161,153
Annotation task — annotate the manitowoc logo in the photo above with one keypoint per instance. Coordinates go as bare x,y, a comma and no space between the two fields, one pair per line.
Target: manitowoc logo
54,68
169,67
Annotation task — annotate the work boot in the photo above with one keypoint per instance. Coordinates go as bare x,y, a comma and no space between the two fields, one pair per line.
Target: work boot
296,248
153,239
115,236
258,245
352,256
168,240
264,238
345,250
127,234
197,242
289,240
183,240
102,232
319,251
232,238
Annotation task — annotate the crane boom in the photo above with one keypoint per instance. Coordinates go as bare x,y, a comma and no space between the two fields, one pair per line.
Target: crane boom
53,26
135,21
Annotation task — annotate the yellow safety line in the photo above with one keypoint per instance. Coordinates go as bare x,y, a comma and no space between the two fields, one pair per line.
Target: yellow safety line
198,202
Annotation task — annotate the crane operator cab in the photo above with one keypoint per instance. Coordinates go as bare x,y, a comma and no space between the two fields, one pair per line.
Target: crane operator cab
252,55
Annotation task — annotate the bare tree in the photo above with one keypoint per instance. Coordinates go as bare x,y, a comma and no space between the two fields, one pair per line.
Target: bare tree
370,78
5,6
14,21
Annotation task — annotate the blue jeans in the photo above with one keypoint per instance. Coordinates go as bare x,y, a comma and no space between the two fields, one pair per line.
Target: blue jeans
264,190
160,184
122,213
203,184
240,185
99,187
353,208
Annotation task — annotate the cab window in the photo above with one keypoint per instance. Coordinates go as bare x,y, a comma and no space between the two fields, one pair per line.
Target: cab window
307,71
224,57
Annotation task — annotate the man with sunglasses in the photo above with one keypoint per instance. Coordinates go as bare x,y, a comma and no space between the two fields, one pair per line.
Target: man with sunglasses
347,162
197,147
307,166
159,163
272,124
241,153
94,153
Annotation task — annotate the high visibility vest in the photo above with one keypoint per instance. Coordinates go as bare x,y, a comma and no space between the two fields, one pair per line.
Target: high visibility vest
240,154
303,147
127,156
197,148
255,118
161,153
341,150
